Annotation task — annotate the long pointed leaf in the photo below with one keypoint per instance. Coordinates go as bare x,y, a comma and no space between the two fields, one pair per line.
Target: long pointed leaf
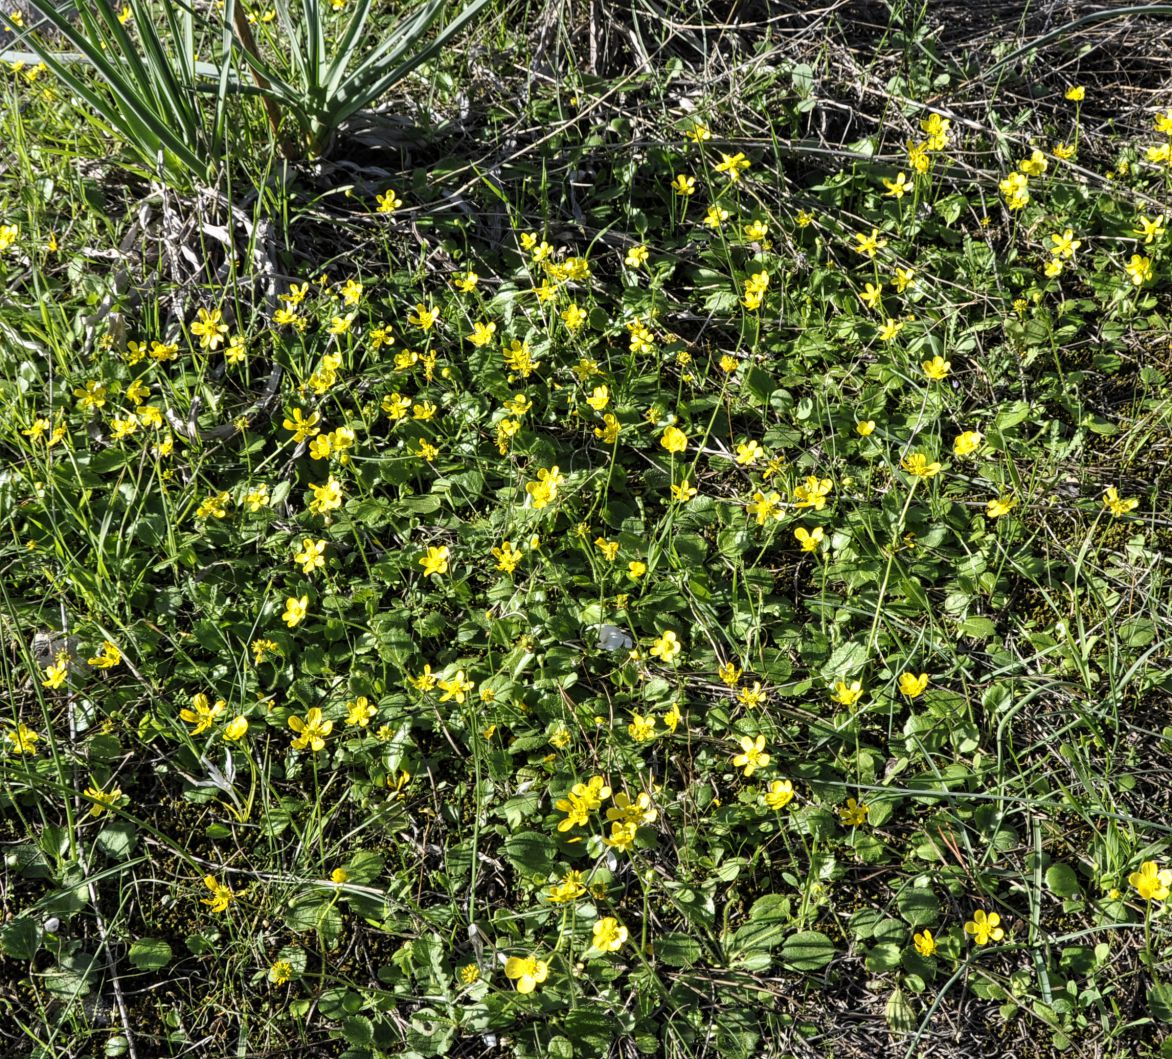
364,94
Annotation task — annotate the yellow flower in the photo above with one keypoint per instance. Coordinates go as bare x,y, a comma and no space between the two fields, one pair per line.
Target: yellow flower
779,795
481,333
425,681
641,728
423,317
917,464
1016,189
23,739
847,694
890,329
1053,268
813,493
729,674
925,943
715,216
609,934
466,282
360,712
984,928
752,756
683,491
748,452
1076,93
296,607
1151,882
869,244
803,219
1064,151
684,185
210,329
235,729
544,490
733,165
1035,165
666,647
854,814
435,560
898,187
865,427
765,506
609,549
674,440
469,974
671,719
622,836
311,731
518,357
904,278
755,232
507,557
809,539
1116,505
202,713
388,201
281,972
1064,244
1151,229
917,157
636,256
1138,269
528,972
569,889
107,658
936,126
967,443
222,894
872,295
326,497
911,685
751,697
599,398
303,427
698,133
937,368
311,556
573,316
102,800
1002,505
55,674
455,687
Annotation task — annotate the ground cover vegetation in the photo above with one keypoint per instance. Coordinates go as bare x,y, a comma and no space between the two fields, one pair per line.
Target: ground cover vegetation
579,530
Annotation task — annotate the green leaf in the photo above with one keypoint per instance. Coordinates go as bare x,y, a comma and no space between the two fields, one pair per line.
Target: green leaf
808,950
20,938
769,919
594,1029
919,906
847,660
117,840
676,950
900,1015
531,853
150,954
1160,1001
977,628
358,1030
1062,880
883,957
